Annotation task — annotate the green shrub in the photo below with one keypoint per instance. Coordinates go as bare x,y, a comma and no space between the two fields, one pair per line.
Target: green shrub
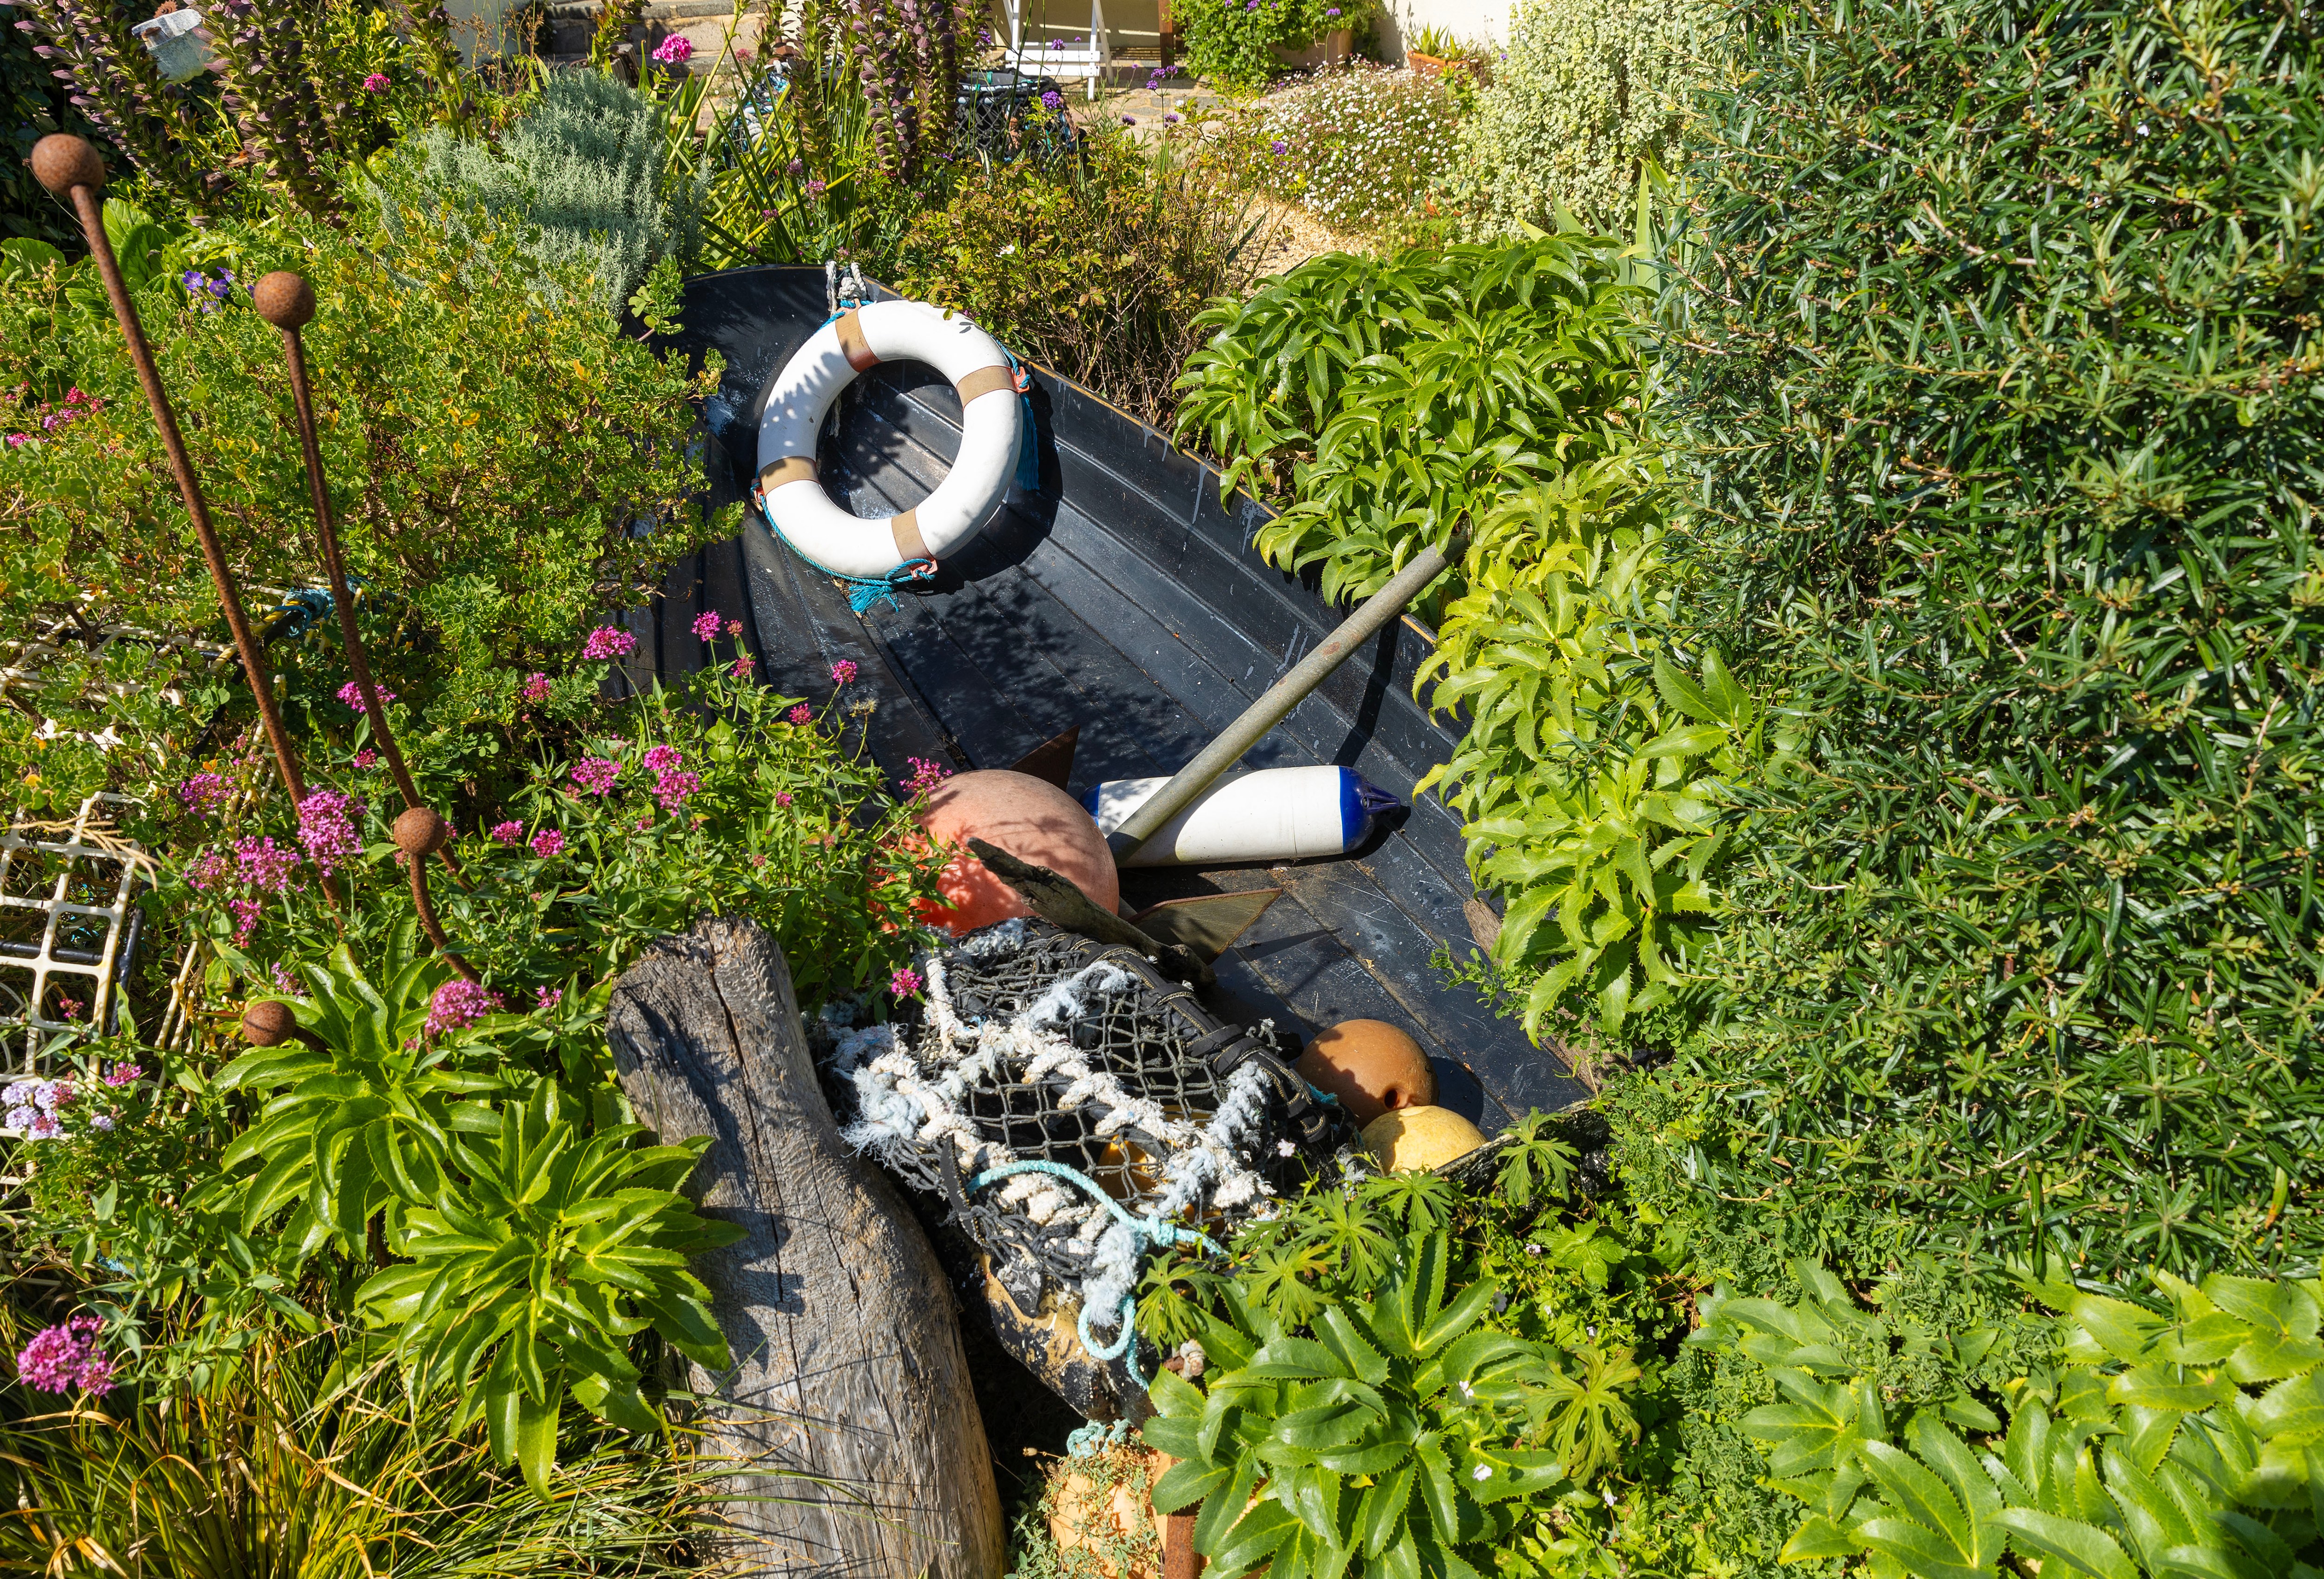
2154,1442
1232,42
585,165
1097,265
1585,93
1995,337
490,448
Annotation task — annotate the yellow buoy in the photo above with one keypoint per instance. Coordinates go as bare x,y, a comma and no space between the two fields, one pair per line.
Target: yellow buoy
1405,1138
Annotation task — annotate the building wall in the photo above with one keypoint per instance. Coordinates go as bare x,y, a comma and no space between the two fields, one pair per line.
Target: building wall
1475,22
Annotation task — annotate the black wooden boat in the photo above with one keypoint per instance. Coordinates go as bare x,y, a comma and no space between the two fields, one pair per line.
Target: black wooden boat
1122,597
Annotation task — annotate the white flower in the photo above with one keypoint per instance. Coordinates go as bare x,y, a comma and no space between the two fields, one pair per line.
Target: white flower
1482,1472
1283,1148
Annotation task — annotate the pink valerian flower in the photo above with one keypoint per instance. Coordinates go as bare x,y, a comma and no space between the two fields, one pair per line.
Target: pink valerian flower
352,694
782,797
645,822
209,871
327,828
705,625
742,667
366,758
283,981
674,50
609,641
535,687
375,83
926,775
905,982
545,998
245,918
843,671
801,714
459,1002
734,627
261,864
548,844
671,788
662,758
816,187
67,1359
123,1074
596,775
202,794
508,832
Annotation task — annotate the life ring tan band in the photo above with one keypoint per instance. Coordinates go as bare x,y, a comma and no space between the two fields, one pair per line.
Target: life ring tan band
789,469
909,542
983,381
852,346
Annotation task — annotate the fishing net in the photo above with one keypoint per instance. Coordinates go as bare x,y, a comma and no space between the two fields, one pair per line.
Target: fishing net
1038,1055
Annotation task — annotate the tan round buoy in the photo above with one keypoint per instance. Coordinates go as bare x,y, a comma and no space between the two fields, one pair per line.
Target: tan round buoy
1412,1138
1371,1066
1032,820
269,1022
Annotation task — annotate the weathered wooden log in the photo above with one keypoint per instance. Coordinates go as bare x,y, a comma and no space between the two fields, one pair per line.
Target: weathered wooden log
849,1405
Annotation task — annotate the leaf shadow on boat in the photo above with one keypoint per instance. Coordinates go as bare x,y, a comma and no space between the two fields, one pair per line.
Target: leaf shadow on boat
1120,596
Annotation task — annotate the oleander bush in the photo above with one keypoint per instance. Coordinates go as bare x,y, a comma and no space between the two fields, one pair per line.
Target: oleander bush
1584,95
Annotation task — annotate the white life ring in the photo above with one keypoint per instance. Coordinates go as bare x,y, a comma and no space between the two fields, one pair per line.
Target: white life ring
792,495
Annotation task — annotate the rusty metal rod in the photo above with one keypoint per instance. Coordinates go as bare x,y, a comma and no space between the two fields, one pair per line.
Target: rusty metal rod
71,170
420,833
287,301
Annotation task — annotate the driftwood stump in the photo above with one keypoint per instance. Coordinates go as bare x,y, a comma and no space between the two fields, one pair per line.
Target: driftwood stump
849,1397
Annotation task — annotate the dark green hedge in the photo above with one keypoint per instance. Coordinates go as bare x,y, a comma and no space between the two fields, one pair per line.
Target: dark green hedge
1995,339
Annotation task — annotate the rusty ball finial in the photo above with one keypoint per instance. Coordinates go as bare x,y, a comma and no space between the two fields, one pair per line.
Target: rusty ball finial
284,299
268,1023
62,162
421,832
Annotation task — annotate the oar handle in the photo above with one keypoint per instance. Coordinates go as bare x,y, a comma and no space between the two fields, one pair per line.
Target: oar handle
1155,812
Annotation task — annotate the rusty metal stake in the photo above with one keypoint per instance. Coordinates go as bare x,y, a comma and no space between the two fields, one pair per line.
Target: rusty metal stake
71,170
287,301
419,834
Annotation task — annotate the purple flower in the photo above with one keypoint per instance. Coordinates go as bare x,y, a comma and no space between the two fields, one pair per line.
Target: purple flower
62,1359
743,666
366,758
202,793
1172,118
1280,146
662,758
123,1074
1051,99
44,1127
815,187
609,641
245,918
375,83
548,844
545,998
671,789
705,625
352,694
596,775
535,688
102,1123
675,50
327,828
926,775
782,797
843,671
800,714
508,832
263,865
459,1002
20,1118
905,982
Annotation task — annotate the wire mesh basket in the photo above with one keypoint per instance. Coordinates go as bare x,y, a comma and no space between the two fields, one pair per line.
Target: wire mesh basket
1042,1063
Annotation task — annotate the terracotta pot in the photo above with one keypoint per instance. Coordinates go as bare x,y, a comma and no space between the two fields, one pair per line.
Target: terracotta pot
1328,51
1426,65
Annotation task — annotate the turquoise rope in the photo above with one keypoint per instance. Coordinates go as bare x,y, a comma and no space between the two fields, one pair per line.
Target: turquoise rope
1149,1232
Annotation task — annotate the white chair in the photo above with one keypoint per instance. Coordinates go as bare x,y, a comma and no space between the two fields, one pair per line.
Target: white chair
1047,60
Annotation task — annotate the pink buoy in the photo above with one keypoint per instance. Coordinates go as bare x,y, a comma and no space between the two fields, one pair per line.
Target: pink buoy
1032,820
